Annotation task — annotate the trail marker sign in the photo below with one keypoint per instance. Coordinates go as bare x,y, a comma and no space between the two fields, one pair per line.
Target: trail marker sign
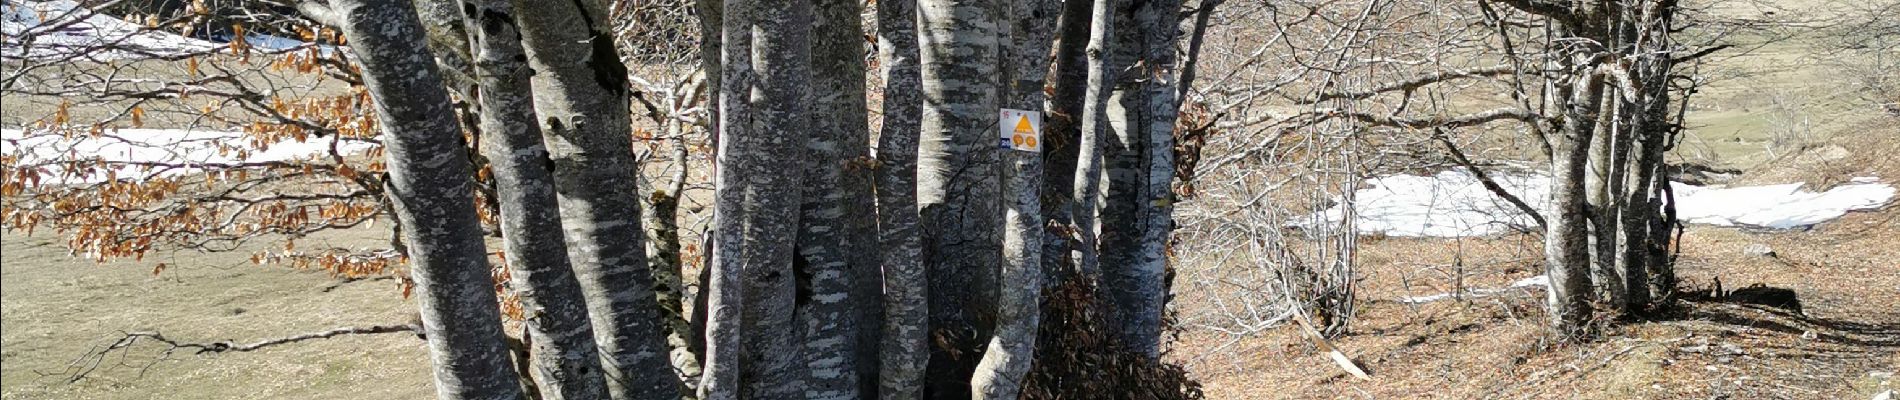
1021,130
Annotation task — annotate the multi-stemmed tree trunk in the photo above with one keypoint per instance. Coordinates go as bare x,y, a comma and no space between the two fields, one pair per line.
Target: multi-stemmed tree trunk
831,232
734,208
1608,233
958,192
1643,258
1566,243
1007,359
755,343
903,350
557,329
581,95
1061,138
430,186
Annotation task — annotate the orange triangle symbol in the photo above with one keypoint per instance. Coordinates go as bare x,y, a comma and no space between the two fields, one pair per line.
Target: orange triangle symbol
1022,125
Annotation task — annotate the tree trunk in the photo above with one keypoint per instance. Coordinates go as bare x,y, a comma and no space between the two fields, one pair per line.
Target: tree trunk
1566,243
764,103
1061,138
557,325
1600,182
669,283
710,13
734,208
835,192
430,187
1007,359
580,90
957,187
904,349
1094,132
1145,296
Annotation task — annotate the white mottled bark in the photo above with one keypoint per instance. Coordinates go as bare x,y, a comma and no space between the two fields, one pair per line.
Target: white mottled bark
559,335
1011,349
1145,295
836,201
724,330
581,94
904,347
1566,246
1061,139
430,186
958,190
1088,171
765,103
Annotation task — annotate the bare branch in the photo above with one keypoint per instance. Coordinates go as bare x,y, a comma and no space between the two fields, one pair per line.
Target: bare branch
91,361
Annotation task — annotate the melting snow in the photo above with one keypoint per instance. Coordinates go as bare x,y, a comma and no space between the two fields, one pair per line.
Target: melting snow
189,149
62,28
1453,203
59,28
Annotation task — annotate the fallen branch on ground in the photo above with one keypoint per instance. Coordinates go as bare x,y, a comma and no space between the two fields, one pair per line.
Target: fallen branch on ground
91,361
1338,357
1535,281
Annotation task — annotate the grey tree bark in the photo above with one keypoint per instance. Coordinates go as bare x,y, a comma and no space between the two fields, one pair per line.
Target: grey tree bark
1576,94
1601,179
559,335
723,286
710,31
765,99
1094,131
1647,269
1006,360
430,187
1119,233
957,187
1144,296
836,195
669,281
581,90
904,348
1566,243
1061,137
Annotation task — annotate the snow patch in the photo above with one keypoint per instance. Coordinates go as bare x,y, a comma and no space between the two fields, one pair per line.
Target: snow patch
1454,204
185,151
1782,206
63,28
59,29
1449,204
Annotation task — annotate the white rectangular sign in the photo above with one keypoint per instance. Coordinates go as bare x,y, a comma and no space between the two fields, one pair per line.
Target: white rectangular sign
1021,130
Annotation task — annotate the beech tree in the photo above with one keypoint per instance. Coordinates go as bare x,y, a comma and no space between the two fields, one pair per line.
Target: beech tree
559,332
834,272
431,190
958,191
903,350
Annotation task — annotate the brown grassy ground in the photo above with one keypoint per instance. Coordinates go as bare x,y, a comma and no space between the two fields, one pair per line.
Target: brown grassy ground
57,308
1847,346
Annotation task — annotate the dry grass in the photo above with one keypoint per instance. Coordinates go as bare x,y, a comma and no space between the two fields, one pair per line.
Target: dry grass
58,308
1846,272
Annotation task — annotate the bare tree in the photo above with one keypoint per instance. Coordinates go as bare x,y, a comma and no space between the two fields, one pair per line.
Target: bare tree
430,186
1006,360
557,329
581,94
755,344
836,203
903,350
958,191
